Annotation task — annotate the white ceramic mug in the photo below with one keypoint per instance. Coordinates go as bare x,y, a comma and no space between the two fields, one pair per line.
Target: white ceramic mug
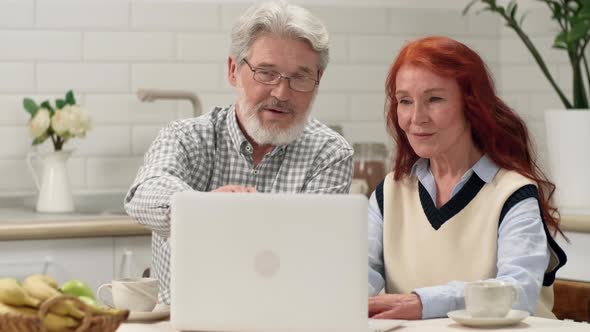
489,298
134,294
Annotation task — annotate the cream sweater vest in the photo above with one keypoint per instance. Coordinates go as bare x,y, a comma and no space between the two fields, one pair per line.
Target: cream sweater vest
464,248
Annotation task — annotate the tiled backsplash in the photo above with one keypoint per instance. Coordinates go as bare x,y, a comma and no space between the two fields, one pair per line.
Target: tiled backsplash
107,49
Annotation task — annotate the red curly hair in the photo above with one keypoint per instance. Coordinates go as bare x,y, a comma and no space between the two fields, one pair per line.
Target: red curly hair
496,130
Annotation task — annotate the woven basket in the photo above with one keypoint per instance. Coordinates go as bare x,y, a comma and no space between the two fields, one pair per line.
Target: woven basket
90,323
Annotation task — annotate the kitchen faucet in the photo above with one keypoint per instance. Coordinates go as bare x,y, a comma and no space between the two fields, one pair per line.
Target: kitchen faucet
150,95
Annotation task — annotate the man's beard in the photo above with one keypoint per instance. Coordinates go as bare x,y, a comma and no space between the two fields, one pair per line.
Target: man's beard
274,135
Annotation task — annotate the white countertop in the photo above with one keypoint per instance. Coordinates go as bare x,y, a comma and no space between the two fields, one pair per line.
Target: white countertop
438,325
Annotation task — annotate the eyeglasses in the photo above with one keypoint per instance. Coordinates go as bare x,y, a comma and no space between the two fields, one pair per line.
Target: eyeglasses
271,77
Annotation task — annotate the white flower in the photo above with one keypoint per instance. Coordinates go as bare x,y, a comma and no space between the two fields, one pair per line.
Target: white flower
80,122
61,122
39,123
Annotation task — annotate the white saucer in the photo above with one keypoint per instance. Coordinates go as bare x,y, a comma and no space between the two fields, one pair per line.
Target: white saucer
160,312
463,317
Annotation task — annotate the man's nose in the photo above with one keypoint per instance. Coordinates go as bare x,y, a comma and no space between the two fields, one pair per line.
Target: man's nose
281,91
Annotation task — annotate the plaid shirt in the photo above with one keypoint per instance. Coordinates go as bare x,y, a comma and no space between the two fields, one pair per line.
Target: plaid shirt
210,151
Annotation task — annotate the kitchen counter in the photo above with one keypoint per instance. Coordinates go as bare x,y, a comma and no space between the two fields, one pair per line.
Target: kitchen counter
22,223
579,224
26,224
443,324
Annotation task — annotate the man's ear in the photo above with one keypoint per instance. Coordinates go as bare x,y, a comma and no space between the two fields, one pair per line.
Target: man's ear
232,71
320,74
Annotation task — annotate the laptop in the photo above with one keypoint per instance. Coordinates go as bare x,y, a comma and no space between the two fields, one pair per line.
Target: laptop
244,262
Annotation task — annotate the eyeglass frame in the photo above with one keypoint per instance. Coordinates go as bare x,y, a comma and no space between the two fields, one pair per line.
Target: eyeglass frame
280,76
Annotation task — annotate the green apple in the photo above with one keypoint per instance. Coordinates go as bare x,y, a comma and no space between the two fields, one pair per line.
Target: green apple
77,288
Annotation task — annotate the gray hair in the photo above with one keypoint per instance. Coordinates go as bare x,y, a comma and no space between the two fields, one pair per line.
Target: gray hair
282,19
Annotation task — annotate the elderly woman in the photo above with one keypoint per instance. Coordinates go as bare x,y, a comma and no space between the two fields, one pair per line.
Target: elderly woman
466,200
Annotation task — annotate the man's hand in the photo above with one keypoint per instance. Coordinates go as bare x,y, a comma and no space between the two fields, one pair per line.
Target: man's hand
234,188
395,306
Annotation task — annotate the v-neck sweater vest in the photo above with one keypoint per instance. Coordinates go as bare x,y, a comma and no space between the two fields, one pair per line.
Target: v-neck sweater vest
424,246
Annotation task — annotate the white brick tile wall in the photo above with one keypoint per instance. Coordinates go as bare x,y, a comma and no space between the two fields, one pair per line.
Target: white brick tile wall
12,111
127,109
40,45
366,132
17,13
112,173
20,178
208,101
106,14
106,49
339,51
368,107
90,77
105,140
354,78
142,137
418,22
513,50
331,108
523,78
484,24
17,77
175,15
16,141
129,46
375,48
230,13
486,47
204,46
176,76
353,19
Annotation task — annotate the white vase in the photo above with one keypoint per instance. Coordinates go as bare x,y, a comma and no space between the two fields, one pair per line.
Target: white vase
55,194
568,137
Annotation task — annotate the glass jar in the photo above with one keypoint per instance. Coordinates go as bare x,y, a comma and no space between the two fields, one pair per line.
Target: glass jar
369,166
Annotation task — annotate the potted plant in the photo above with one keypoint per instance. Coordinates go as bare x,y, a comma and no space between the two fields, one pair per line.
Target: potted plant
566,132
59,122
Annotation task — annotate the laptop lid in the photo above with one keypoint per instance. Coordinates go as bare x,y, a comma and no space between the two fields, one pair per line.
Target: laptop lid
262,262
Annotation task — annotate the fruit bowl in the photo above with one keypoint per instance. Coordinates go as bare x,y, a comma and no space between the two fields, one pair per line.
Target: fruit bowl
90,322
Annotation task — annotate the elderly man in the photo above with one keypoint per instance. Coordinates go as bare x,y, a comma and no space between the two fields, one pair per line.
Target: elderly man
265,142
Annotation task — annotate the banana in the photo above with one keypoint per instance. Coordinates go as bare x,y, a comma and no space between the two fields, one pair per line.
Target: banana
43,291
13,293
46,279
52,322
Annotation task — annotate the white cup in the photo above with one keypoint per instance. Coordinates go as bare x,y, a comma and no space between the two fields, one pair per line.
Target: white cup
489,298
134,294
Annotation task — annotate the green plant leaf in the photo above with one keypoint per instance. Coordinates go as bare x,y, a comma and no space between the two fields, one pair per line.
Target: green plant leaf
47,105
469,5
40,139
30,106
60,103
579,30
560,41
70,100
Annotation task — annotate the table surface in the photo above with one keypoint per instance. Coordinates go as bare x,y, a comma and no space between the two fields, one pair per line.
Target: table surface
443,324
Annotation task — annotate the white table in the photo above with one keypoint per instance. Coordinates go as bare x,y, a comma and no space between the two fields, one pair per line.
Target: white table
438,325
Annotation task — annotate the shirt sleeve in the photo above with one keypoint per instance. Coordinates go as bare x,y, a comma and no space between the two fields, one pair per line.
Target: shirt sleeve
523,256
333,173
376,268
164,172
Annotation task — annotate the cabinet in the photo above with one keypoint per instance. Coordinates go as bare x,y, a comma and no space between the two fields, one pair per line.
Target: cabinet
132,255
92,260
577,267
87,259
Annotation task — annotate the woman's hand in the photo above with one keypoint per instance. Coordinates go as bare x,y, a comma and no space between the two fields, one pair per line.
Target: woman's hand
395,306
